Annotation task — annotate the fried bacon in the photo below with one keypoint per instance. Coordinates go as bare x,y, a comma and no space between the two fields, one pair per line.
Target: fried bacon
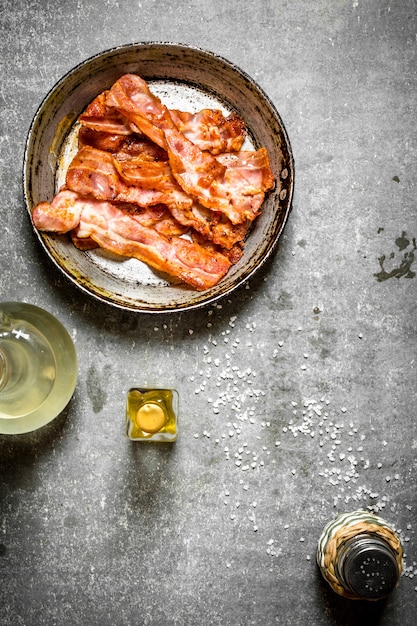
124,146
59,216
132,98
210,130
197,172
212,226
146,182
173,189
215,185
125,231
98,116
97,173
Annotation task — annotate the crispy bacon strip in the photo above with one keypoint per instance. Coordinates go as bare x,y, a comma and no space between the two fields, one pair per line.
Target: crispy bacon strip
253,165
199,173
122,146
178,257
135,145
160,218
211,225
131,97
143,181
230,192
59,216
210,130
96,173
101,140
123,232
233,254
145,171
98,116
63,214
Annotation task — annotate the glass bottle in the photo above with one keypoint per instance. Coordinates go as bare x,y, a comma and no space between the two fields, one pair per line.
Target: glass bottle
38,367
360,556
27,367
151,414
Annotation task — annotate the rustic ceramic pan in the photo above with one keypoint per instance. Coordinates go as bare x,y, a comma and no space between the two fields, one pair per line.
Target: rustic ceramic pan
184,77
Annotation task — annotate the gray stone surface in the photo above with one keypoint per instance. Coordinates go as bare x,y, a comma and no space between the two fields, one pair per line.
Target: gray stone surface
308,372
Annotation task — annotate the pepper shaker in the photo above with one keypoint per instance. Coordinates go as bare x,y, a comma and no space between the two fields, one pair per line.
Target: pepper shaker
360,556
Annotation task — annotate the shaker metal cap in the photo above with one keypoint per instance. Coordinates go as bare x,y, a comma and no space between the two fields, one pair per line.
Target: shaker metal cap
370,569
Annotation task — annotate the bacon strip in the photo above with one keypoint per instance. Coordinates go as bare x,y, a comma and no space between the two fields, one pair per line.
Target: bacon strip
96,173
131,96
253,165
213,226
229,191
145,171
199,173
123,232
98,116
121,146
210,130
60,216
143,181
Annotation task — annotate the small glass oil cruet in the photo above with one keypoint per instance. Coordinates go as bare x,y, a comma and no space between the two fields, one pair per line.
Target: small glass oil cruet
27,367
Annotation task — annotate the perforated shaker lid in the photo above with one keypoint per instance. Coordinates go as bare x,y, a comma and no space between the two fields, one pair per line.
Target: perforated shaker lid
370,569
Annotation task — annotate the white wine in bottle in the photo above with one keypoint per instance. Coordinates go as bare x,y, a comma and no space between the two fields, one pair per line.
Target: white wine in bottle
27,367
38,367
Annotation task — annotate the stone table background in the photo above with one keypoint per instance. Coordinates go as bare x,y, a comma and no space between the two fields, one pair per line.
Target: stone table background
306,376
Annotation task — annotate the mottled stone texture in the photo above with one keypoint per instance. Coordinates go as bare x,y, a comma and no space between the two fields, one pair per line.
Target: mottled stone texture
297,393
